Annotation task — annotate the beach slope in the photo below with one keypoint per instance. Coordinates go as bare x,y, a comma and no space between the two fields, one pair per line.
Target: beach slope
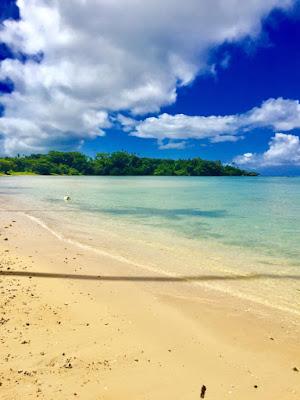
76,324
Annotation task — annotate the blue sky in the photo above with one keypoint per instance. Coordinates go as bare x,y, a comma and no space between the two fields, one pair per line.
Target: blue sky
178,89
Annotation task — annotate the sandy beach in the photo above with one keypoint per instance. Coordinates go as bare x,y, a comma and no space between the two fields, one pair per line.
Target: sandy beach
75,324
149,200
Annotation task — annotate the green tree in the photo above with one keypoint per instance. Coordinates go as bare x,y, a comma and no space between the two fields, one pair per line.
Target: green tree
43,167
118,163
6,165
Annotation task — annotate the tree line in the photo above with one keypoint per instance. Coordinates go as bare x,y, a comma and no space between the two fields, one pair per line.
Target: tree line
117,163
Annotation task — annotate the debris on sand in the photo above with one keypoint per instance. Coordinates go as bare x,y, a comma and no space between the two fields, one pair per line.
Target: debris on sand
203,390
68,364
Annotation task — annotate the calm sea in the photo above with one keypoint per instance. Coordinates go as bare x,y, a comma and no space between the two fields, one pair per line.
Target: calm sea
193,224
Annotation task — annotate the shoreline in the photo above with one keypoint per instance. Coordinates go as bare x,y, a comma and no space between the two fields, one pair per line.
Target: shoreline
190,278
109,330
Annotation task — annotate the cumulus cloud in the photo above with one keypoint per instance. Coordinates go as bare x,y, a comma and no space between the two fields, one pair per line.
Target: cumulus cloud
90,59
283,149
276,114
281,114
181,126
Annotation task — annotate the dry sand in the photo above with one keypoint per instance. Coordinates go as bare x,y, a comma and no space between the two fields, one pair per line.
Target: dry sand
119,338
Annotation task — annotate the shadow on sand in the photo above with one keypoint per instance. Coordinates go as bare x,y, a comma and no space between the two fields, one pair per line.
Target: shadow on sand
184,278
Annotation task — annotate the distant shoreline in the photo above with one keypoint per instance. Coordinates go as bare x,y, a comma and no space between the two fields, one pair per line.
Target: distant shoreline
119,163
14,173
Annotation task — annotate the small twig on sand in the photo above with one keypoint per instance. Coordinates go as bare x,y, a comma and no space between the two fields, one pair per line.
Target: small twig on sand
203,390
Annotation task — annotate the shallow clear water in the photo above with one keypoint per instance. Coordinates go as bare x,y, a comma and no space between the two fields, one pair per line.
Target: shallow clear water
260,213
237,235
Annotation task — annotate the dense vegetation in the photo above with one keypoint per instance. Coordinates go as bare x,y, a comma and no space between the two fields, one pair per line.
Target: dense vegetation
118,163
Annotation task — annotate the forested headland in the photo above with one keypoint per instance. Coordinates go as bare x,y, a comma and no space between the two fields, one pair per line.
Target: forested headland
117,163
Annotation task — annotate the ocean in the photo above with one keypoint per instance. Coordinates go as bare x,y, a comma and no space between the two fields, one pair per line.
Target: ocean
182,226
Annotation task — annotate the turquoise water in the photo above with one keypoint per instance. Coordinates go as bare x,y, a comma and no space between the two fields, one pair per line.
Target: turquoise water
260,213
207,227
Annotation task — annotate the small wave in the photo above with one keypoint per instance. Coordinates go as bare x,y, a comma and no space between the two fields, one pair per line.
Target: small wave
95,250
211,286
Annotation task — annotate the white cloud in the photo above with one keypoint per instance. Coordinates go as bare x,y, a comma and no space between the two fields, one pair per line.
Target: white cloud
173,145
278,113
225,138
283,150
281,114
103,56
181,126
127,123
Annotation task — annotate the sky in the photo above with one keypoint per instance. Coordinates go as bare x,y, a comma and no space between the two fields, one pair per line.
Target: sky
216,79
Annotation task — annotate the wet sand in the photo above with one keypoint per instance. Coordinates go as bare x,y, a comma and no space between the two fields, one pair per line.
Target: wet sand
75,324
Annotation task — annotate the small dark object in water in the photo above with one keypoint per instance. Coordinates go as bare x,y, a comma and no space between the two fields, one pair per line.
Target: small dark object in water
203,390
